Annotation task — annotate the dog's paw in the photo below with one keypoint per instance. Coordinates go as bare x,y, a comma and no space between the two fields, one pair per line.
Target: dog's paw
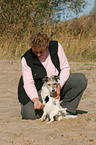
41,118
60,118
49,122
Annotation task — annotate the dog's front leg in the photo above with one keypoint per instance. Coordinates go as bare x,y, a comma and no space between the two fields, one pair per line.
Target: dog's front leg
43,117
51,118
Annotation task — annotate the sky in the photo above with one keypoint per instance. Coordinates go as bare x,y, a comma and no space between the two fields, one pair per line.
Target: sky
86,11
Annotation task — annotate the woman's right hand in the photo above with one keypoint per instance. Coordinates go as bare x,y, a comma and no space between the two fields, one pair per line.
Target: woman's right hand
38,105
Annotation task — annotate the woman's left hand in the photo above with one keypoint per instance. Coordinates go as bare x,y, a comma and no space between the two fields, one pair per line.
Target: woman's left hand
58,92
58,97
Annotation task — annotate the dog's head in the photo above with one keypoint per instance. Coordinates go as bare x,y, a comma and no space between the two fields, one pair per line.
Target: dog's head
51,83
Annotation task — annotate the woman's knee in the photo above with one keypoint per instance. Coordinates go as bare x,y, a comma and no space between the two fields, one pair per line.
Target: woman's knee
27,115
28,112
78,80
83,80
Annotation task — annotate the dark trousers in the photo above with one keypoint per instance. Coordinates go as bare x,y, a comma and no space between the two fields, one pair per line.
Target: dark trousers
71,94
72,91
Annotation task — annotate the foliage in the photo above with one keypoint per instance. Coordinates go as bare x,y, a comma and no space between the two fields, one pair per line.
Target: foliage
77,36
17,14
94,8
19,18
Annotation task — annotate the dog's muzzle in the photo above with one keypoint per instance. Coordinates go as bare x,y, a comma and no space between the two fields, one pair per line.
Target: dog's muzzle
53,93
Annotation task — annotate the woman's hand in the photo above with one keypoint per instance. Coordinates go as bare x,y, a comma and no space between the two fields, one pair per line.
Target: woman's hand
37,104
58,92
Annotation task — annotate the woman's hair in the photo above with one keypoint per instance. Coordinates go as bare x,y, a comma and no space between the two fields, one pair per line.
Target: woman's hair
39,40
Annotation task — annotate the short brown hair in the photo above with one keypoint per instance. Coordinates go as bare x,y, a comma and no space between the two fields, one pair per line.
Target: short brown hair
39,40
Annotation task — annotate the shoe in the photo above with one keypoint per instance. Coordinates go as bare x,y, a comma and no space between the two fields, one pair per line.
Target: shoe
71,112
68,115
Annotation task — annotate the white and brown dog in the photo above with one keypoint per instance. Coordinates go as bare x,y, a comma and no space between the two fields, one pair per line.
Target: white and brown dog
52,106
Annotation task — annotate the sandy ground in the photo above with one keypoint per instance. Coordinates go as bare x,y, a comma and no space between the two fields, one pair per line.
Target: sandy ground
15,131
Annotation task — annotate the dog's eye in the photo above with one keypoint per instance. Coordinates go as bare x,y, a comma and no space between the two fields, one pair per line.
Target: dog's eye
49,84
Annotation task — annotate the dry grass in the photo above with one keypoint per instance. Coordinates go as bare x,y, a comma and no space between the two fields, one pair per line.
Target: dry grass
77,36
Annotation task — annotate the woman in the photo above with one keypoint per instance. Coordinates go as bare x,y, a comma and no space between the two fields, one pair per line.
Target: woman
46,58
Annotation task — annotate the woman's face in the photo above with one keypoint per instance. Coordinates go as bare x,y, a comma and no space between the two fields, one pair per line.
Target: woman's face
40,52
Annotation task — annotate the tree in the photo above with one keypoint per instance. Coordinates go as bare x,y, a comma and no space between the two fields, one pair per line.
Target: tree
17,14
94,8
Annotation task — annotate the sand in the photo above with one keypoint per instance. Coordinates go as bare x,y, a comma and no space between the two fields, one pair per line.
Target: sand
15,131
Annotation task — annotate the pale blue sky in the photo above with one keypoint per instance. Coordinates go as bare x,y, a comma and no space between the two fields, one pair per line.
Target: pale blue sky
86,11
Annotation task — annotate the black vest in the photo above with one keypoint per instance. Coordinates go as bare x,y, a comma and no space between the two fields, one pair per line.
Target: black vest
38,70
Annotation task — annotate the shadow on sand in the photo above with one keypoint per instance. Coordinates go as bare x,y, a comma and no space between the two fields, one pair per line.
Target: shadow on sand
81,112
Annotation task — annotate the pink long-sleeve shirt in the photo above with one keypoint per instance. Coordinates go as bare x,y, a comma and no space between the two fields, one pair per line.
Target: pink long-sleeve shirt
29,85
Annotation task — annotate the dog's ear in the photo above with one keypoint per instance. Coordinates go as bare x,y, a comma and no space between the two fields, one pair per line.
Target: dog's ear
56,78
45,79
46,99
